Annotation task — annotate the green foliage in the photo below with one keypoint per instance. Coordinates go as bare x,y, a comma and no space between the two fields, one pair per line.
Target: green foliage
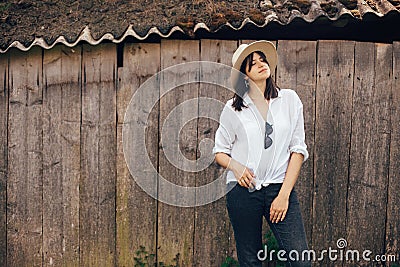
175,260
230,262
271,244
4,6
145,259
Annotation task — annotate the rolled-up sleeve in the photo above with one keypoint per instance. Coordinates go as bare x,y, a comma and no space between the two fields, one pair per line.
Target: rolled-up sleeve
225,135
297,143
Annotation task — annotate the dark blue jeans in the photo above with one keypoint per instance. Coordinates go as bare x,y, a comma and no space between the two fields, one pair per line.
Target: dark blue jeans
246,211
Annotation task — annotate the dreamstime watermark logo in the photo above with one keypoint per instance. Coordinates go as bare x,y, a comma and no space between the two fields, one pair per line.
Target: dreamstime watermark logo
332,254
136,120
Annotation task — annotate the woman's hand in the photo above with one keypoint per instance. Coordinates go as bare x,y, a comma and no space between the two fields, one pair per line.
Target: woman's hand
278,209
243,175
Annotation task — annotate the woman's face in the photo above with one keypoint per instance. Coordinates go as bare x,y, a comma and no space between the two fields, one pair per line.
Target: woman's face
259,69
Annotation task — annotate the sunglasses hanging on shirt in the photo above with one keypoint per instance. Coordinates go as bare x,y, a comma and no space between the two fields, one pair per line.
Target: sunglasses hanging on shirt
268,139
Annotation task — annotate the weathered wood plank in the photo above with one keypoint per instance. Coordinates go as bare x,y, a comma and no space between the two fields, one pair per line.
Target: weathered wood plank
61,156
107,154
136,210
296,70
98,156
393,210
24,187
176,224
3,156
213,232
369,154
71,151
332,140
52,159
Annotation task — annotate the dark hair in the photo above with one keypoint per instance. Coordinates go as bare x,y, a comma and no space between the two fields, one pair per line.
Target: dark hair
271,90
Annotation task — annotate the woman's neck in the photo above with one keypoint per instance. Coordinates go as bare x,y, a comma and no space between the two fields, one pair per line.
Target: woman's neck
257,90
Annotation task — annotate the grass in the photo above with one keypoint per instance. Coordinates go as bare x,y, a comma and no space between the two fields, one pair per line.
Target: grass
4,6
271,244
145,259
230,262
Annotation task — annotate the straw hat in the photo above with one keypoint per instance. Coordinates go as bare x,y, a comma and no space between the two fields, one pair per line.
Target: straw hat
244,50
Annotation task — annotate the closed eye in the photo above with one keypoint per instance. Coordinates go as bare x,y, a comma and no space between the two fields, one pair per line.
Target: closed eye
260,59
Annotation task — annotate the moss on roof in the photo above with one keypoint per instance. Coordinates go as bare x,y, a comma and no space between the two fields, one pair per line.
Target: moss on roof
26,21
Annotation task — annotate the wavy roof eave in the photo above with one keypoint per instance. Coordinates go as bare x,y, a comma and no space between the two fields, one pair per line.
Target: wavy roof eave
315,13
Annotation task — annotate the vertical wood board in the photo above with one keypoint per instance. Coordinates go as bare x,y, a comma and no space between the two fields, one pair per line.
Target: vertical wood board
136,210
332,141
176,224
98,156
24,187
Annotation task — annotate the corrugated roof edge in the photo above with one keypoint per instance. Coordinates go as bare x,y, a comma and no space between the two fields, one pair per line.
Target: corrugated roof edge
86,35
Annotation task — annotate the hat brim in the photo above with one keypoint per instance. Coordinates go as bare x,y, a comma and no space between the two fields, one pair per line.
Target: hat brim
266,47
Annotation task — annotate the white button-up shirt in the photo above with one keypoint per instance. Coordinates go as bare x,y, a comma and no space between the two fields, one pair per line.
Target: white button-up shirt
241,135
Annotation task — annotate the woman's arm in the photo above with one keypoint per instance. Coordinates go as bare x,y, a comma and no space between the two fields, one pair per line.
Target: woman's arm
243,175
280,204
298,154
292,173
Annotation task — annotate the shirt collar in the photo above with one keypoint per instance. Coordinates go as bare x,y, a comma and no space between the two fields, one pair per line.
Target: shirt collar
247,100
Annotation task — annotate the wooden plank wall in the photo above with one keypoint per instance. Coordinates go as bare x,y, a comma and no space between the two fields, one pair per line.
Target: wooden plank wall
136,224
67,197
3,156
98,156
333,111
25,171
370,135
392,240
61,155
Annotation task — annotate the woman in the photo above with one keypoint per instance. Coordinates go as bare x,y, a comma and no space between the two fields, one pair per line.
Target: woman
260,141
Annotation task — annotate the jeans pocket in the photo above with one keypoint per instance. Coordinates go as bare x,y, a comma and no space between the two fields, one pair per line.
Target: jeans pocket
238,197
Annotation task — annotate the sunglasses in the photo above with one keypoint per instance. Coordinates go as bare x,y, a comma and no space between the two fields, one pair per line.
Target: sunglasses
268,131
